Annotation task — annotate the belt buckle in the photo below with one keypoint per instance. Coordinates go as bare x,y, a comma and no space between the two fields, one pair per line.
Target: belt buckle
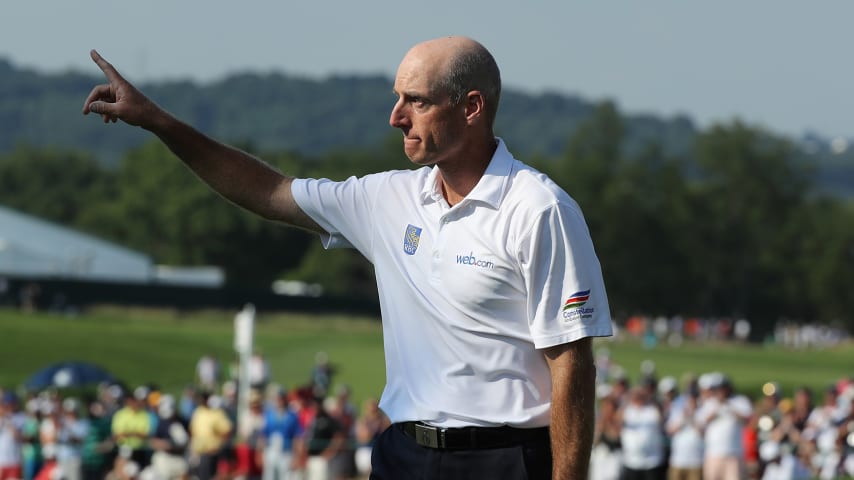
426,435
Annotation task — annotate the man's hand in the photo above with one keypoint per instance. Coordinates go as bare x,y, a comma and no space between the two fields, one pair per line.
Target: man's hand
234,174
118,99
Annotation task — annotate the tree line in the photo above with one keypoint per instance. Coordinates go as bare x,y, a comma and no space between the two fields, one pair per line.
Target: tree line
733,226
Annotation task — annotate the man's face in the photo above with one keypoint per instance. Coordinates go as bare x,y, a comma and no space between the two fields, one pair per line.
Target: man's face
432,127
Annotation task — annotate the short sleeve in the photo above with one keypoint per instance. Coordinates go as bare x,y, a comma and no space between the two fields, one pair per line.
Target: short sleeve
566,291
341,208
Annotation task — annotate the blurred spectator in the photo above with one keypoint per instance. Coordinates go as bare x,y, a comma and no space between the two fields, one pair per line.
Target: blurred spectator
606,457
259,371
782,463
187,404
742,328
208,372
30,446
124,468
802,407
603,365
10,441
342,464
49,427
620,389
686,442
109,396
324,438
723,416
49,469
132,426
282,433
369,425
668,392
169,443
210,429
28,297
249,445
98,444
321,375
72,432
642,438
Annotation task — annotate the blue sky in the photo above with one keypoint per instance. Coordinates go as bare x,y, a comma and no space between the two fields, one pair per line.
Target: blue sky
782,64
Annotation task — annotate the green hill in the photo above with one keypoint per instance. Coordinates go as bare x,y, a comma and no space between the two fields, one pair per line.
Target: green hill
282,112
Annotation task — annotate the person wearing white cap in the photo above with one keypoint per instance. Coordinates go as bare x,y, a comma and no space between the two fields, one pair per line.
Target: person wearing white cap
723,415
169,442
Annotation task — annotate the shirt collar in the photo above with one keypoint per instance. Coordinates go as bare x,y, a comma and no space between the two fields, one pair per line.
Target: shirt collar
489,189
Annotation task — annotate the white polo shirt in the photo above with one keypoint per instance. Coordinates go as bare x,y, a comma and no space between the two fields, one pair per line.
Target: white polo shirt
468,293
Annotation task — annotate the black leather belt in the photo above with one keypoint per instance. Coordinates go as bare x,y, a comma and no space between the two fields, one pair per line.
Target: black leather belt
471,438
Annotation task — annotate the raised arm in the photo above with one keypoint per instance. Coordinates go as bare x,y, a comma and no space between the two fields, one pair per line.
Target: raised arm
236,175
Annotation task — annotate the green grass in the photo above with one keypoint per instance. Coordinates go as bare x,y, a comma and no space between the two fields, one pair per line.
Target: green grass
162,346
749,366
142,346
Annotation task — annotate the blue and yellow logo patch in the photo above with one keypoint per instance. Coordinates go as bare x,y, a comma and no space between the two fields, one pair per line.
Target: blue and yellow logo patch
411,239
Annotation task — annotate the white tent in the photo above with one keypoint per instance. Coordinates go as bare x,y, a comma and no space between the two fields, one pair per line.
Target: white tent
30,247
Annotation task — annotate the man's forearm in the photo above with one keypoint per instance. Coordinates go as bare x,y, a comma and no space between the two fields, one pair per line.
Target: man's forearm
572,411
236,175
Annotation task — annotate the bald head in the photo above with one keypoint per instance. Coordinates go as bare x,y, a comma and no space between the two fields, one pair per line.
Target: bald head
462,65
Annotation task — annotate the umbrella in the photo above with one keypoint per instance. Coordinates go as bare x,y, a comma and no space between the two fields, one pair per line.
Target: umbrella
68,374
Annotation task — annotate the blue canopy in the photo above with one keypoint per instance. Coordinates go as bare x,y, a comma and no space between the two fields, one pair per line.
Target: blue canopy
68,374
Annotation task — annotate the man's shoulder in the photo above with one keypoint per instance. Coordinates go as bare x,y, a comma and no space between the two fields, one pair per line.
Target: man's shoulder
534,189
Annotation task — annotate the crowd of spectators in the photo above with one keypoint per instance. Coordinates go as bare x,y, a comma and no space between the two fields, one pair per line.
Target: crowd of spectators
676,329
312,432
697,427
701,427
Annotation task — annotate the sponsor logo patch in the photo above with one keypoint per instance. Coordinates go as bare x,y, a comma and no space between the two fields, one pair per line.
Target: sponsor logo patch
411,239
573,309
474,261
577,299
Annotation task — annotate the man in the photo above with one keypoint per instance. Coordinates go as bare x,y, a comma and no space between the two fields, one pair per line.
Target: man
132,427
210,429
489,285
281,431
169,442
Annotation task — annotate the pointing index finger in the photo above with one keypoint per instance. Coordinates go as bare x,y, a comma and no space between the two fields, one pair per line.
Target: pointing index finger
111,73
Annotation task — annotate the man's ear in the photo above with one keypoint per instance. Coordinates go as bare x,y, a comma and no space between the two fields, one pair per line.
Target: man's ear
474,106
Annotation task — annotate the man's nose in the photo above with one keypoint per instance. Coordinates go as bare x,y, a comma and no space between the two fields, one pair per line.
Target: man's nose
397,119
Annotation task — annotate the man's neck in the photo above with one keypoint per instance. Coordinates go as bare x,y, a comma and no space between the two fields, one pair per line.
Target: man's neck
459,176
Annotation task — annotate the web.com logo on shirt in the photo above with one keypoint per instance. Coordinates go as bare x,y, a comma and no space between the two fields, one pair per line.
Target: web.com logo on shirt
470,259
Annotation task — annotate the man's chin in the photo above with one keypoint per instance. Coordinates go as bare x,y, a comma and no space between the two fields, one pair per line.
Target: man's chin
419,158
422,162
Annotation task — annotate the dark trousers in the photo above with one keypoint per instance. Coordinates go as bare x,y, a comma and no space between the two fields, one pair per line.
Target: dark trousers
396,456
657,473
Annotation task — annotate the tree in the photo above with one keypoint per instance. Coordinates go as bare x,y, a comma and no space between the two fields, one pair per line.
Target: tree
750,185
60,186
826,257
161,208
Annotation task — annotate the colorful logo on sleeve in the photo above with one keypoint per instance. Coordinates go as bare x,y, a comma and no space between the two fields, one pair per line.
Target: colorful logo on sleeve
573,309
411,239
